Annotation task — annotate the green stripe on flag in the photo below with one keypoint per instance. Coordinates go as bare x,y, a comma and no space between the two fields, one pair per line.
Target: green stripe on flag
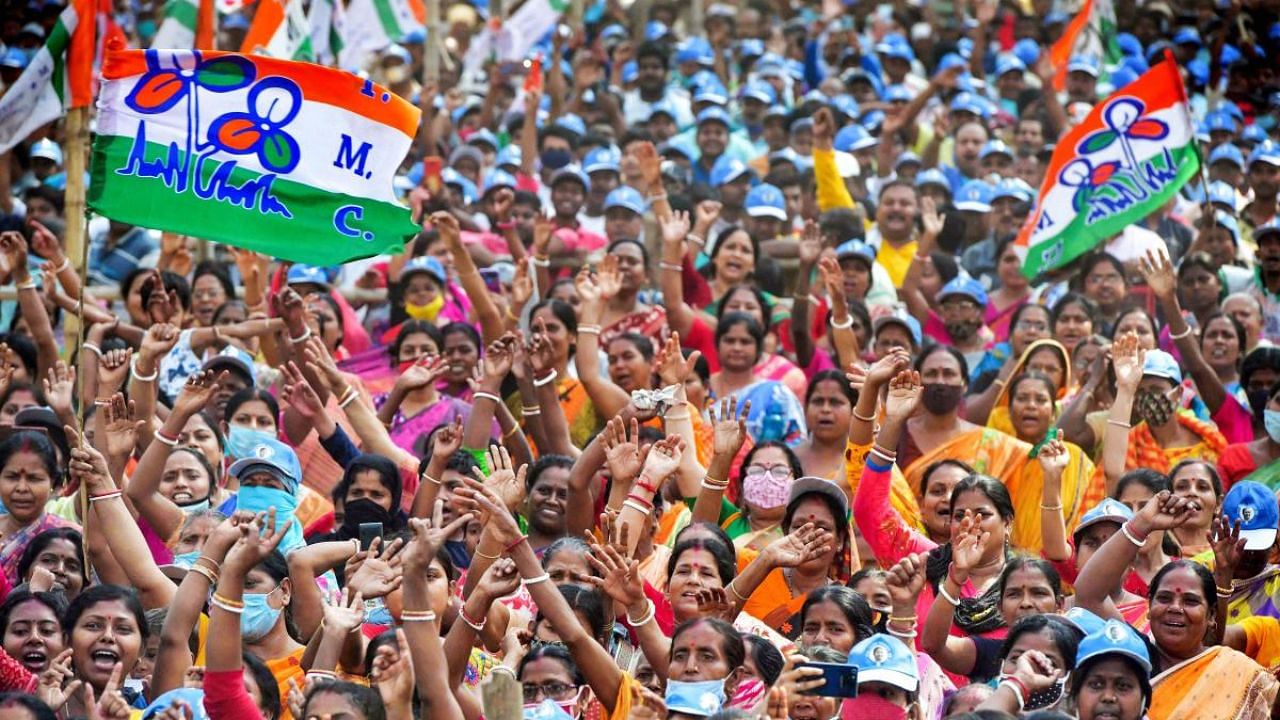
1124,199
309,236
59,39
387,18
184,12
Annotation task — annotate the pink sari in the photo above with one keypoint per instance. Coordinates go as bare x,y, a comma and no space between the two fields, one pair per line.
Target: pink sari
782,370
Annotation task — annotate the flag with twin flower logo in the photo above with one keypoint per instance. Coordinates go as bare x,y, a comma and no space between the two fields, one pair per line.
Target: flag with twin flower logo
284,158
1130,155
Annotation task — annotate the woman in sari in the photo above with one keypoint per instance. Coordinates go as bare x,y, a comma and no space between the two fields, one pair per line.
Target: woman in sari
776,413
1028,323
762,489
623,312
828,405
1192,680
29,476
414,406
1013,292
1046,356
1258,460
555,321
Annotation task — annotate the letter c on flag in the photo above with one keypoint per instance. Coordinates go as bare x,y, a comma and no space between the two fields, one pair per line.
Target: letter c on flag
341,224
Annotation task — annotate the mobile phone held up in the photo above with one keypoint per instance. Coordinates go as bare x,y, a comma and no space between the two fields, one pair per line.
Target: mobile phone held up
839,680
533,78
369,531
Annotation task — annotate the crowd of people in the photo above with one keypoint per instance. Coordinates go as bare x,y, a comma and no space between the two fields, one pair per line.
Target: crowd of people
712,387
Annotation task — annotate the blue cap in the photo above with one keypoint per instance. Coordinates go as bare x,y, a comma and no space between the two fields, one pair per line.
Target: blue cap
896,46
759,90
714,114
856,249
469,106
1122,76
679,145
1085,620
1162,365
1028,51
630,71
1219,121
1114,638
271,456
1109,510
846,105
1137,63
750,48
570,172
974,195
1008,64
1268,153
766,200
1015,188
966,286
995,147
625,196
47,149
897,93
794,68
424,264
235,359
1222,193
1230,55
664,106
933,176
14,58
726,170
467,188
1253,134
1228,221
951,60
969,102
602,159
509,155
851,138
655,30
307,274
1187,35
1129,44
872,121
695,49
711,92
483,135
193,697
498,178
1085,64
884,658
1271,227
911,324
964,46
572,123
1254,506
614,32
906,158
1226,152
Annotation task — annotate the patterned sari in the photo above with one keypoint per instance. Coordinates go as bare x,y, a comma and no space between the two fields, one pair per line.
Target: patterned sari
1218,684
651,323
12,546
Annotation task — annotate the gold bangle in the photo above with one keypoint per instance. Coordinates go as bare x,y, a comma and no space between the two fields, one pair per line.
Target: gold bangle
514,429
486,557
1054,508
431,480
735,592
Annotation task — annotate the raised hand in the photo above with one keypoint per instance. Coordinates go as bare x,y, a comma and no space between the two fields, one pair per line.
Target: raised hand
664,458
506,482
121,427
13,256
833,281
824,129
380,572
1228,547
799,546
796,680
428,537
289,306
904,395
447,440
1167,511
1127,358
967,547
60,388
298,393
162,302
542,230
540,354
675,227
622,451
488,508
393,674
521,288
810,244
619,575
1157,270
199,388
588,287
706,213
158,341
608,277
46,244
258,539
1036,671
112,705
931,219
650,163
321,362
423,372
729,429
499,358
1053,456
347,614
672,366
499,580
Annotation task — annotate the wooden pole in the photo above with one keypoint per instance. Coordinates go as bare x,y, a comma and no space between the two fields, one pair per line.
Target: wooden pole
78,250
434,43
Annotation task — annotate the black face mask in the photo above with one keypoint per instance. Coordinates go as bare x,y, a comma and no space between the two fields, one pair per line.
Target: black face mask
940,399
362,511
1258,401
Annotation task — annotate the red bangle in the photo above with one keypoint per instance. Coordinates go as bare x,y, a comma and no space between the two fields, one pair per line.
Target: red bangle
1134,531
637,499
513,545
171,439
1026,693
646,486
953,579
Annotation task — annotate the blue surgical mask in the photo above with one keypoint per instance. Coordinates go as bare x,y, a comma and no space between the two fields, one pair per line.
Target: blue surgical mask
708,695
195,507
1271,420
241,441
186,560
555,158
257,499
376,613
258,617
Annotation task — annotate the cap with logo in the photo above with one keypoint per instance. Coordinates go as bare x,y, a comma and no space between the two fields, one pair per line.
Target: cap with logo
884,658
47,149
975,196
766,200
571,173
1254,506
308,275
1109,510
423,264
626,197
273,457
1114,638
907,322
966,287
727,169
602,159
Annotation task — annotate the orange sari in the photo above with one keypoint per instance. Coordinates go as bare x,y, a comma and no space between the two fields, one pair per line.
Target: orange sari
1218,684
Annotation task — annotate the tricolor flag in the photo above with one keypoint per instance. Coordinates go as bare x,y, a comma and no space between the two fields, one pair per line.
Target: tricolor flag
58,77
187,25
514,40
373,25
1092,34
280,29
284,158
1126,159
326,19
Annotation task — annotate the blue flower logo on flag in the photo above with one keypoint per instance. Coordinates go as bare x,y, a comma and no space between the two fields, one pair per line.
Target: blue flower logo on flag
273,104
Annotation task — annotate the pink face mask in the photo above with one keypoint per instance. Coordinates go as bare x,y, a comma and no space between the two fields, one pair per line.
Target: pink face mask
766,492
871,706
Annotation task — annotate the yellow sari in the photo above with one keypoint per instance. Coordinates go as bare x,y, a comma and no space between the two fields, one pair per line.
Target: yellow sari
1218,684
998,419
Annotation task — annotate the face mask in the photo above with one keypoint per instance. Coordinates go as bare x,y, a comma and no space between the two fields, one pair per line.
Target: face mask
941,399
426,312
961,329
871,706
187,559
553,710
764,492
241,441
260,499
358,512
195,507
1258,401
1271,419
1153,406
706,694
258,617
555,159
1048,697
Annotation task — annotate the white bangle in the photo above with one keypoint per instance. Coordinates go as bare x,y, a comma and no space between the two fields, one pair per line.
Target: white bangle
636,506
848,323
91,347
133,370
1182,334
1124,528
160,438
481,395
410,616
539,382
1017,692
540,262
537,579
646,618
671,266
305,336
696,238
350,399
28,285
901,634
942,593
588,329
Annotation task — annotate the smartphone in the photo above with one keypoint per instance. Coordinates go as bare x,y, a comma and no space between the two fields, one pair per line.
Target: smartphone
492,280
840,680
533,78
432,166
369,531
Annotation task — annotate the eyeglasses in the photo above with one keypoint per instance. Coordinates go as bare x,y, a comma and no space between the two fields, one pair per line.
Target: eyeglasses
777,472
1033,325
552,690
